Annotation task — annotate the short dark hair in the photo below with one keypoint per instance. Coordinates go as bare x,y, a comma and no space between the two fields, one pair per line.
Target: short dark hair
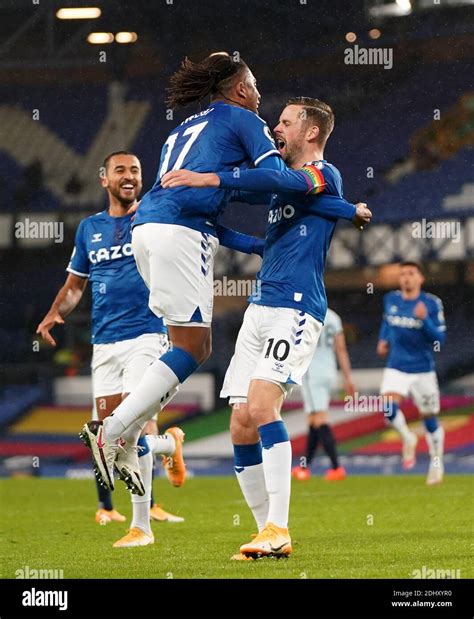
318,112
116,152
412,263
194,81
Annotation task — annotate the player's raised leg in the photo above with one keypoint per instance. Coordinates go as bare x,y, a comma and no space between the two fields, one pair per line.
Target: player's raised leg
165,253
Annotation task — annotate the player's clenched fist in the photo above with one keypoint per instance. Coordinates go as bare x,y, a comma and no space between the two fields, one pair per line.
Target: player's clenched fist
49,321
179,178
362,215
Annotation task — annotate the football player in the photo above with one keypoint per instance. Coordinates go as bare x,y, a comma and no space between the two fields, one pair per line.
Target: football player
412,328
318,382
126,334
175,238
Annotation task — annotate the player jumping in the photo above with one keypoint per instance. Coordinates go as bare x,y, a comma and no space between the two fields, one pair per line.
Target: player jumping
126,335
318,382
413,325
175,238
283,322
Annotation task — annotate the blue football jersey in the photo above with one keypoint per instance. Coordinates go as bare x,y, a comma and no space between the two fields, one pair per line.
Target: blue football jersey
299,232
103,253
296,245
411,340
222,137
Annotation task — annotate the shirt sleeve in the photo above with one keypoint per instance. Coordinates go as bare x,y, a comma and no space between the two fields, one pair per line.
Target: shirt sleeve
239,241
272,162
434,326
289,181
384,333
255,136
79,263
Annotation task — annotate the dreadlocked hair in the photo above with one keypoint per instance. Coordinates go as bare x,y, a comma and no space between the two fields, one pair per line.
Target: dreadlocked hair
196,80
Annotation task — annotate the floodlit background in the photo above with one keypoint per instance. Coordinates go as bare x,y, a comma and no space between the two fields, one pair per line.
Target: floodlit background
73,90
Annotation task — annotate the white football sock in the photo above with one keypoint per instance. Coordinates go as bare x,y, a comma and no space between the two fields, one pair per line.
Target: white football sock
142,403
141,504
252,483
435,441
164,444
277,470
134,431
400,424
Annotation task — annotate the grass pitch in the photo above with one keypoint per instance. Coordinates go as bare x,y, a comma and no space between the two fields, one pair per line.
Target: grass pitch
49,524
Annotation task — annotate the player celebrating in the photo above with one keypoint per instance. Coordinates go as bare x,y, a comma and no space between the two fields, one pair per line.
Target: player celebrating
175,238
413,323
283,322
126,335
318,382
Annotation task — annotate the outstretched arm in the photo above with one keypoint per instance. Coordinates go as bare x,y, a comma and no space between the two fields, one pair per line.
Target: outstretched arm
66,300
271,181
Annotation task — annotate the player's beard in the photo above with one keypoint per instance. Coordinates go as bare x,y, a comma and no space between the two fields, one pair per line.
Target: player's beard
292,154
125,201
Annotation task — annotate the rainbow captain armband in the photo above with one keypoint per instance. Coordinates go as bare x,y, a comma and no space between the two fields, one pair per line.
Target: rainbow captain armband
314,177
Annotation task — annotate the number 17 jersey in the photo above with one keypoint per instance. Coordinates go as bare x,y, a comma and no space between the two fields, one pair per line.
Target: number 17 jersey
220,138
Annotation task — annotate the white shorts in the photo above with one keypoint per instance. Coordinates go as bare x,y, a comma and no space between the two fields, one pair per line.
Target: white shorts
423,387
118,368
317,392
274,344
177,265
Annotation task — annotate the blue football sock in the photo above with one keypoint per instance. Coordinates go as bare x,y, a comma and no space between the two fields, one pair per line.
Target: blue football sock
390,409
273,433
182,363
105,496
247,455
431,424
